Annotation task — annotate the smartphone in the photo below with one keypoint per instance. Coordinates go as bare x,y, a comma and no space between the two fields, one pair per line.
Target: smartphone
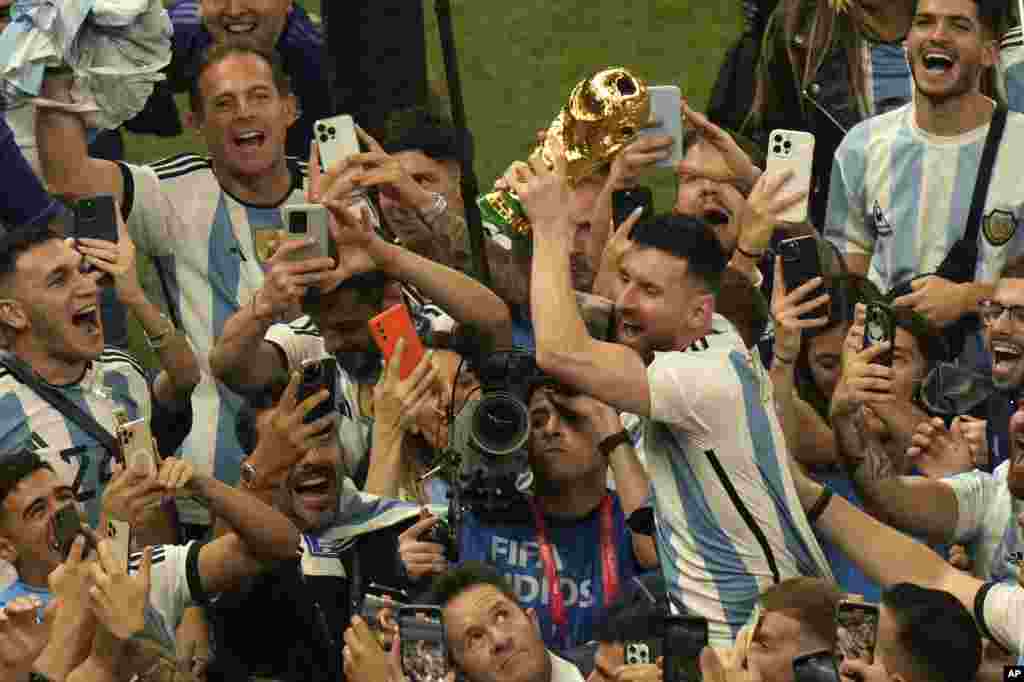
856,630
424,651
336,137
685,637
307,221
879,327
95,217
138,446
800,264
391,325
792,150
819,666
67,525
641,652
316,376
625,201
666,112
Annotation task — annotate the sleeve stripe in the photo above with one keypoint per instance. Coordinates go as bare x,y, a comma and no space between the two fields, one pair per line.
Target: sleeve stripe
176,160
113,356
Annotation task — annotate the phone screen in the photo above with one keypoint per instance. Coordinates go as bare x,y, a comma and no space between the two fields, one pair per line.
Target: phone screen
424,650
879,327
856,630
817,667
685,638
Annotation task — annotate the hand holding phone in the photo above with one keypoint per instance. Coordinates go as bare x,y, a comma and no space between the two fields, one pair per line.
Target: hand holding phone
666,111
800,264
318,375
879,327
336,138
792,150
856,630
95,217
393,324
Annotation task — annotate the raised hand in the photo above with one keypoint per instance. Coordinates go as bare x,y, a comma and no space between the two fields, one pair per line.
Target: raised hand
938,300
397,402
743,170
119,600
421,558
287,280
116,259
937,452
787,307
22,638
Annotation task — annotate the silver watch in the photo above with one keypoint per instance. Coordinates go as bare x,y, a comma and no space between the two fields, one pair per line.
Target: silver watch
248,473
436,210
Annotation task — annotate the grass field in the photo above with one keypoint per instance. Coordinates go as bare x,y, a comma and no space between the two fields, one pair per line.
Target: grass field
520,58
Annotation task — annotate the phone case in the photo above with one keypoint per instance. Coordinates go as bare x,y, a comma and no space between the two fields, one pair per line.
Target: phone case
336,137
800,261
665,108
317,375
306,221
96,218
819,666
138,446
391,325
641,652
856,630
792,150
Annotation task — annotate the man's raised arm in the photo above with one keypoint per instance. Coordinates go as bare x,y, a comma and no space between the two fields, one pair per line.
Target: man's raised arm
64,151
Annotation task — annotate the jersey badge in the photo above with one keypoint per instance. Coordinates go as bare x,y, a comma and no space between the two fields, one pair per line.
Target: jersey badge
999,227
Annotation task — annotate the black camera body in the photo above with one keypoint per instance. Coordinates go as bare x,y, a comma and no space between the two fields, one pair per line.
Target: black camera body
441,533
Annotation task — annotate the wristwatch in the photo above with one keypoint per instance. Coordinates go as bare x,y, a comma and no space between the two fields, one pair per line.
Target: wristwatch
436,210
248,474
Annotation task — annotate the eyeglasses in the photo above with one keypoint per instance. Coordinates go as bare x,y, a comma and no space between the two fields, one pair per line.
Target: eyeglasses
991,311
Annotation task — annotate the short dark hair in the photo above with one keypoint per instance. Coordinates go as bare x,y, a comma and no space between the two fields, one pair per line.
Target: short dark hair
447,586
990,13
19,240
368,287
218,52
417,129
633,615
687,237
936,632
16,466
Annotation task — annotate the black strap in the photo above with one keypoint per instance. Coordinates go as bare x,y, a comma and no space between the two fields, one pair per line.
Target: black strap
60,402
988,161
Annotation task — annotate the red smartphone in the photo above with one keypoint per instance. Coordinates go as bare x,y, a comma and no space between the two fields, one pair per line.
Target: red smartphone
391,325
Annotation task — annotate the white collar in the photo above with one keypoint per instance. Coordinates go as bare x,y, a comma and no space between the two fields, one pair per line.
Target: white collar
563,671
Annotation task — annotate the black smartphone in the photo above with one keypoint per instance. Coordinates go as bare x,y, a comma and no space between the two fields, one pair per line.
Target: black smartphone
856,630
316,376
879,327
800,264
424,651
67,525
819,666
641,651
96,218
625,201
685,637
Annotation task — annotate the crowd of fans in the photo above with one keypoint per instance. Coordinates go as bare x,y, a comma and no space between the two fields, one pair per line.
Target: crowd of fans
702,441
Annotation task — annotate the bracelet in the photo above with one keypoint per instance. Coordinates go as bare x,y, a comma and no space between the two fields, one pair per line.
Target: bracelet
784,360
751,256
158,341
435,211
608,444
819,506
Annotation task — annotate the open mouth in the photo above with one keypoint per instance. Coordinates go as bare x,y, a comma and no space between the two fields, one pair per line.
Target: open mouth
240,27
252,139
87,319
938,62
319,485
1004,353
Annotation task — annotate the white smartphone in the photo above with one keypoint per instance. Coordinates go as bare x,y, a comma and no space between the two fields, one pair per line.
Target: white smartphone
307,221
792,150
336,137
666,113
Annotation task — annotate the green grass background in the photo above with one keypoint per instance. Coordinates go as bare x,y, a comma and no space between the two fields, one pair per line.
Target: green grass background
520,58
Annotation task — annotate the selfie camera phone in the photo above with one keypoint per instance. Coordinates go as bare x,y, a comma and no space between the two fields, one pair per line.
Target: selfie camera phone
819,666
393,324
792,150
856,630
625,201
879,327
307,221
685,637
316,376
424,650
667,114
800,264
336,137
67,525
96,218
641,652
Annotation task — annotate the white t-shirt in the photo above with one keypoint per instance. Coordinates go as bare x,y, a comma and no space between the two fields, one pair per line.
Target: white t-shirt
901,195
987,522
202,238
729,522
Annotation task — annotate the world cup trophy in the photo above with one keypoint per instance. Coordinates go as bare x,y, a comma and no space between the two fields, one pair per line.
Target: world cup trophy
604,114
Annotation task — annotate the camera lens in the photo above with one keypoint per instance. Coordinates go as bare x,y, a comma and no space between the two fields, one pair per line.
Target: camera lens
298,223
501,424
778,139
787,144
777,149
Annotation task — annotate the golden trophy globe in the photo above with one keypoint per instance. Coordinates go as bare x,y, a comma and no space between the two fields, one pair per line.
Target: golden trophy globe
604,114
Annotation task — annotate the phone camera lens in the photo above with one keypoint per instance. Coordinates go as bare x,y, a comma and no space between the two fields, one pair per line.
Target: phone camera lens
777,149
787,144
778,138
332,131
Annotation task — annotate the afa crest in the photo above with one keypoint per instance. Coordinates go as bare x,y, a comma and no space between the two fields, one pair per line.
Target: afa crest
999,227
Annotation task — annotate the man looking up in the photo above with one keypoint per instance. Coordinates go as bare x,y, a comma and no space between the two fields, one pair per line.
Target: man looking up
902,182
694,393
